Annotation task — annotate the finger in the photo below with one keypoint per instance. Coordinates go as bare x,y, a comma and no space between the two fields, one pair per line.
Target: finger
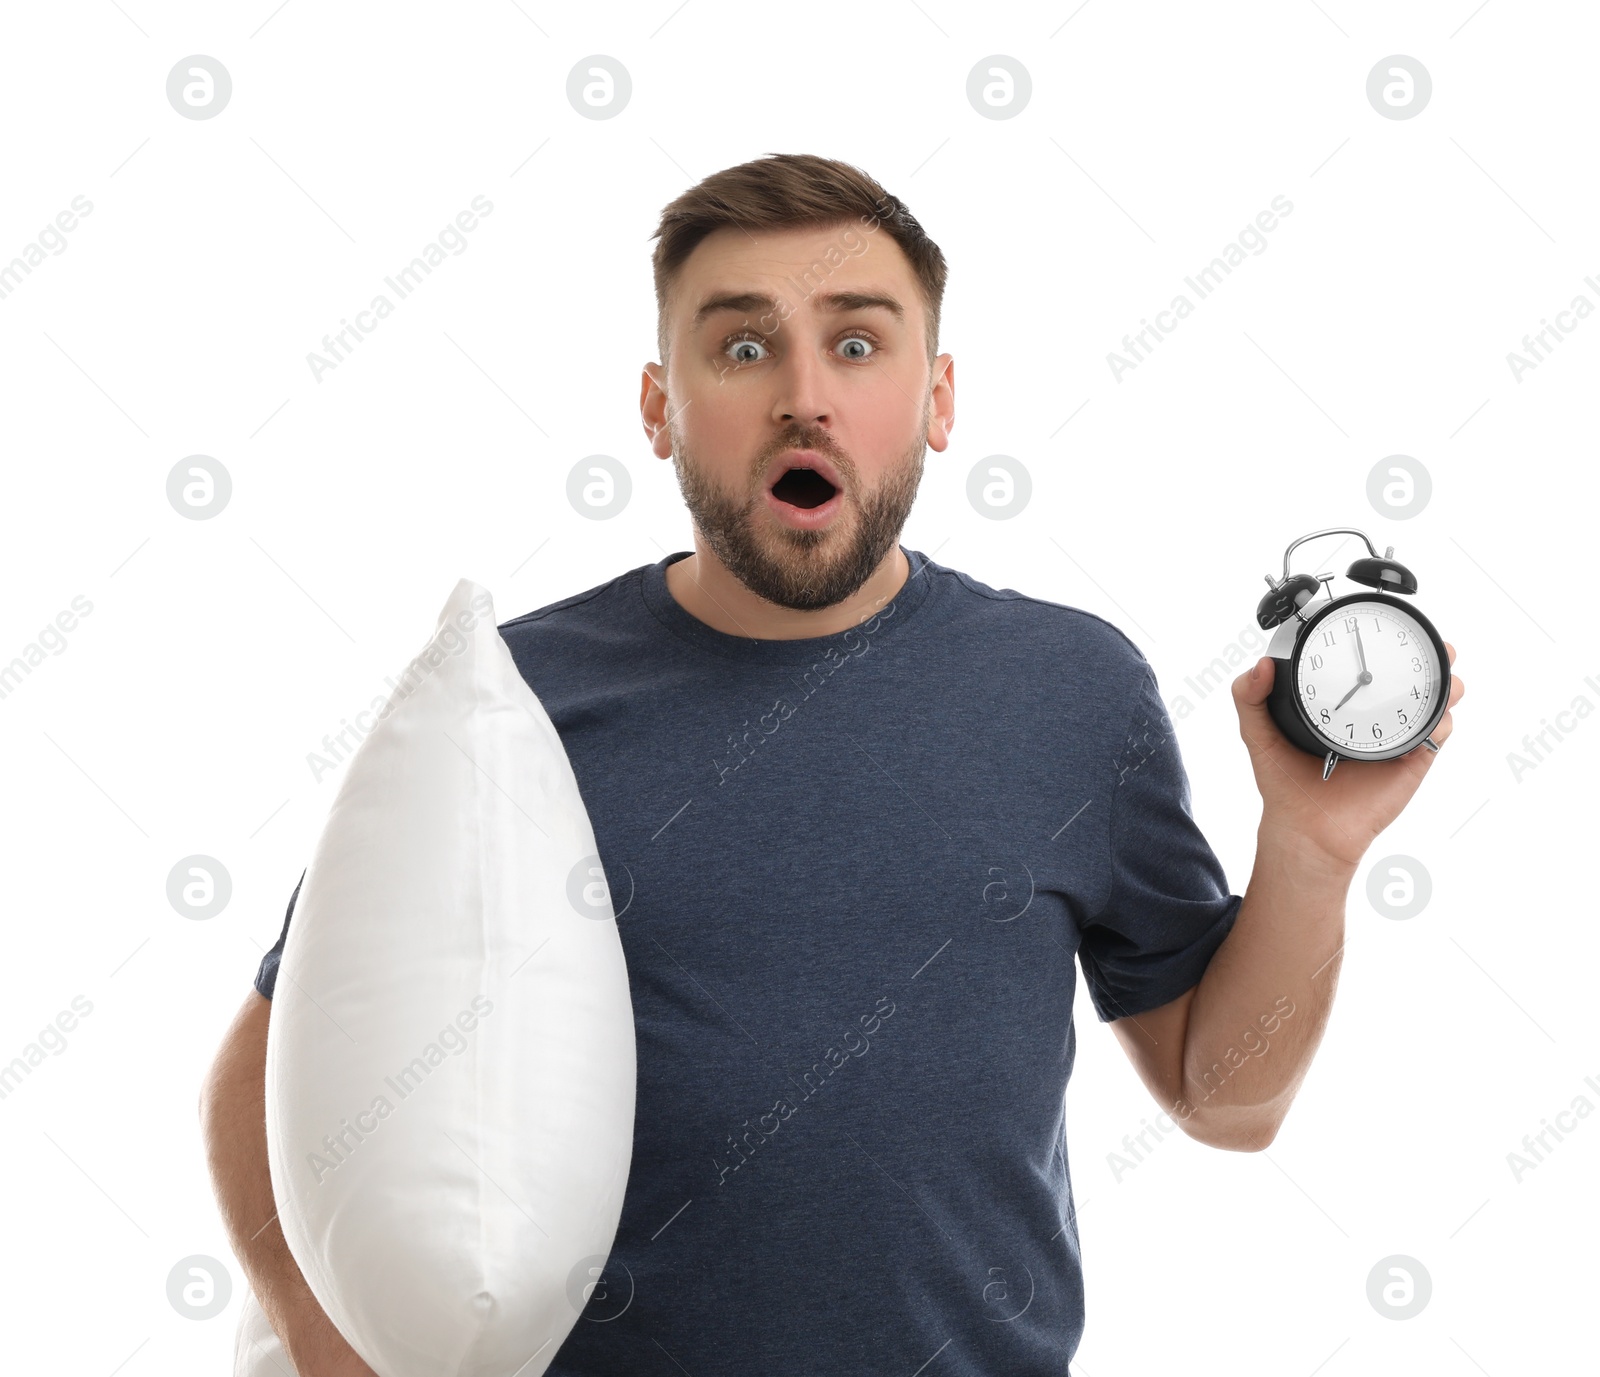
1451,651
1249,697
1255,684
1457,688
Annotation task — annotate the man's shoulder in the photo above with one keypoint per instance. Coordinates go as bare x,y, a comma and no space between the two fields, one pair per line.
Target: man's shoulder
1046,623
576,611
567,647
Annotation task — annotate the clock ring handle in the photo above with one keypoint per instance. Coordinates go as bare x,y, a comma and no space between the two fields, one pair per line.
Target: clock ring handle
1331,530
1291,592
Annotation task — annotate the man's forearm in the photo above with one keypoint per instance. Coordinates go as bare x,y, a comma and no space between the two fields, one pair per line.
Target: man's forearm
233,1125
1259,1011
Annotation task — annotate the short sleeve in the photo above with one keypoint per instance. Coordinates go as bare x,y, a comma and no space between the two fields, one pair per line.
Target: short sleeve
267,973
1168,908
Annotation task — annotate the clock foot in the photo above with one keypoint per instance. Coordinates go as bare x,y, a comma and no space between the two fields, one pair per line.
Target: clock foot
1328,764
1429,743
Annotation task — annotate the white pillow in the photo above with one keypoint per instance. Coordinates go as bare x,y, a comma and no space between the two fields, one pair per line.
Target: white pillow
450,1057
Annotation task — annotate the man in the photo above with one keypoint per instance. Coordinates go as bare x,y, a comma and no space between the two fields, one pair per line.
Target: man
859,813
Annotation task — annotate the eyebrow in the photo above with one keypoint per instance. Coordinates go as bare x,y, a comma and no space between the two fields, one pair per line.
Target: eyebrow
748,303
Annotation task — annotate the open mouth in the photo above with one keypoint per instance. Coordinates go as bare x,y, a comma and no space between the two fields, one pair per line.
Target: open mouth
804,488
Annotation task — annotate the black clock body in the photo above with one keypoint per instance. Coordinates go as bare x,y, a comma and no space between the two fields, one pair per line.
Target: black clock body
1284,701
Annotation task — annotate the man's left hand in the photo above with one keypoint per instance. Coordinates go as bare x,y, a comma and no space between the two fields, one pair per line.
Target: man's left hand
1341,815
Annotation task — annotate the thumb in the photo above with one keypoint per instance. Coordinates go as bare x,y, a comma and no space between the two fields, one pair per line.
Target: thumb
1250,691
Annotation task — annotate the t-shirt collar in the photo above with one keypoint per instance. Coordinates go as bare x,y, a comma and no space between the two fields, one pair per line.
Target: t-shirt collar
671,614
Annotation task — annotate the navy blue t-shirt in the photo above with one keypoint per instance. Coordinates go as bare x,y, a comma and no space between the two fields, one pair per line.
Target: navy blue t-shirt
851,874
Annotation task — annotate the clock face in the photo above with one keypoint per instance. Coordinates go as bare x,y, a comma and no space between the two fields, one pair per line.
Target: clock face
1368,677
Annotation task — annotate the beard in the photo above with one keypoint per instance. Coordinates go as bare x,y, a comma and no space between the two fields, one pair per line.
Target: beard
803,570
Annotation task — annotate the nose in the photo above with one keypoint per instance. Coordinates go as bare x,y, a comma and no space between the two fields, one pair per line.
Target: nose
801,398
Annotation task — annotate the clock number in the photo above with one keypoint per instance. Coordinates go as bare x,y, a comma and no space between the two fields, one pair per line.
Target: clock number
1350,731
1327,638
1316,662
1311,690
1416,665
1402,713
1349,623
1325,717
1402,636
1377,732
1414,692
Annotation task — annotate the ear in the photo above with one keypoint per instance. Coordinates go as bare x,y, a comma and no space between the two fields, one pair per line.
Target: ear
653,413
942,403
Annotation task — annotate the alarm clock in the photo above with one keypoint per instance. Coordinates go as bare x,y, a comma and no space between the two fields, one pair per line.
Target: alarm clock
1359,677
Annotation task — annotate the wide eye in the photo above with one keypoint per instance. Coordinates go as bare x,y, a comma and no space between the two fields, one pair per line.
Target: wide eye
742,342
870,344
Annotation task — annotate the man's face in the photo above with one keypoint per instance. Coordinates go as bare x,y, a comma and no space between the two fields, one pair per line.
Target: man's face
798,340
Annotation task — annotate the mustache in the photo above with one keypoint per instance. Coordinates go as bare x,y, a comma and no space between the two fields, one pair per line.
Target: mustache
820,444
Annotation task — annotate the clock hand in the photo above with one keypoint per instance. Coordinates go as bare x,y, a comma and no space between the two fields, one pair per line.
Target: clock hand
1365,677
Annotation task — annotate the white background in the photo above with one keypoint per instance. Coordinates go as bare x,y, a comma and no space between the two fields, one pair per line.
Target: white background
219,652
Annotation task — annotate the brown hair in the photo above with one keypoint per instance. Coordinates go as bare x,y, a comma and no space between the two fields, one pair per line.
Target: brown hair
792,190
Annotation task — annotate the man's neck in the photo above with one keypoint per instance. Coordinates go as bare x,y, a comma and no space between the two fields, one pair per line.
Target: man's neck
704,588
